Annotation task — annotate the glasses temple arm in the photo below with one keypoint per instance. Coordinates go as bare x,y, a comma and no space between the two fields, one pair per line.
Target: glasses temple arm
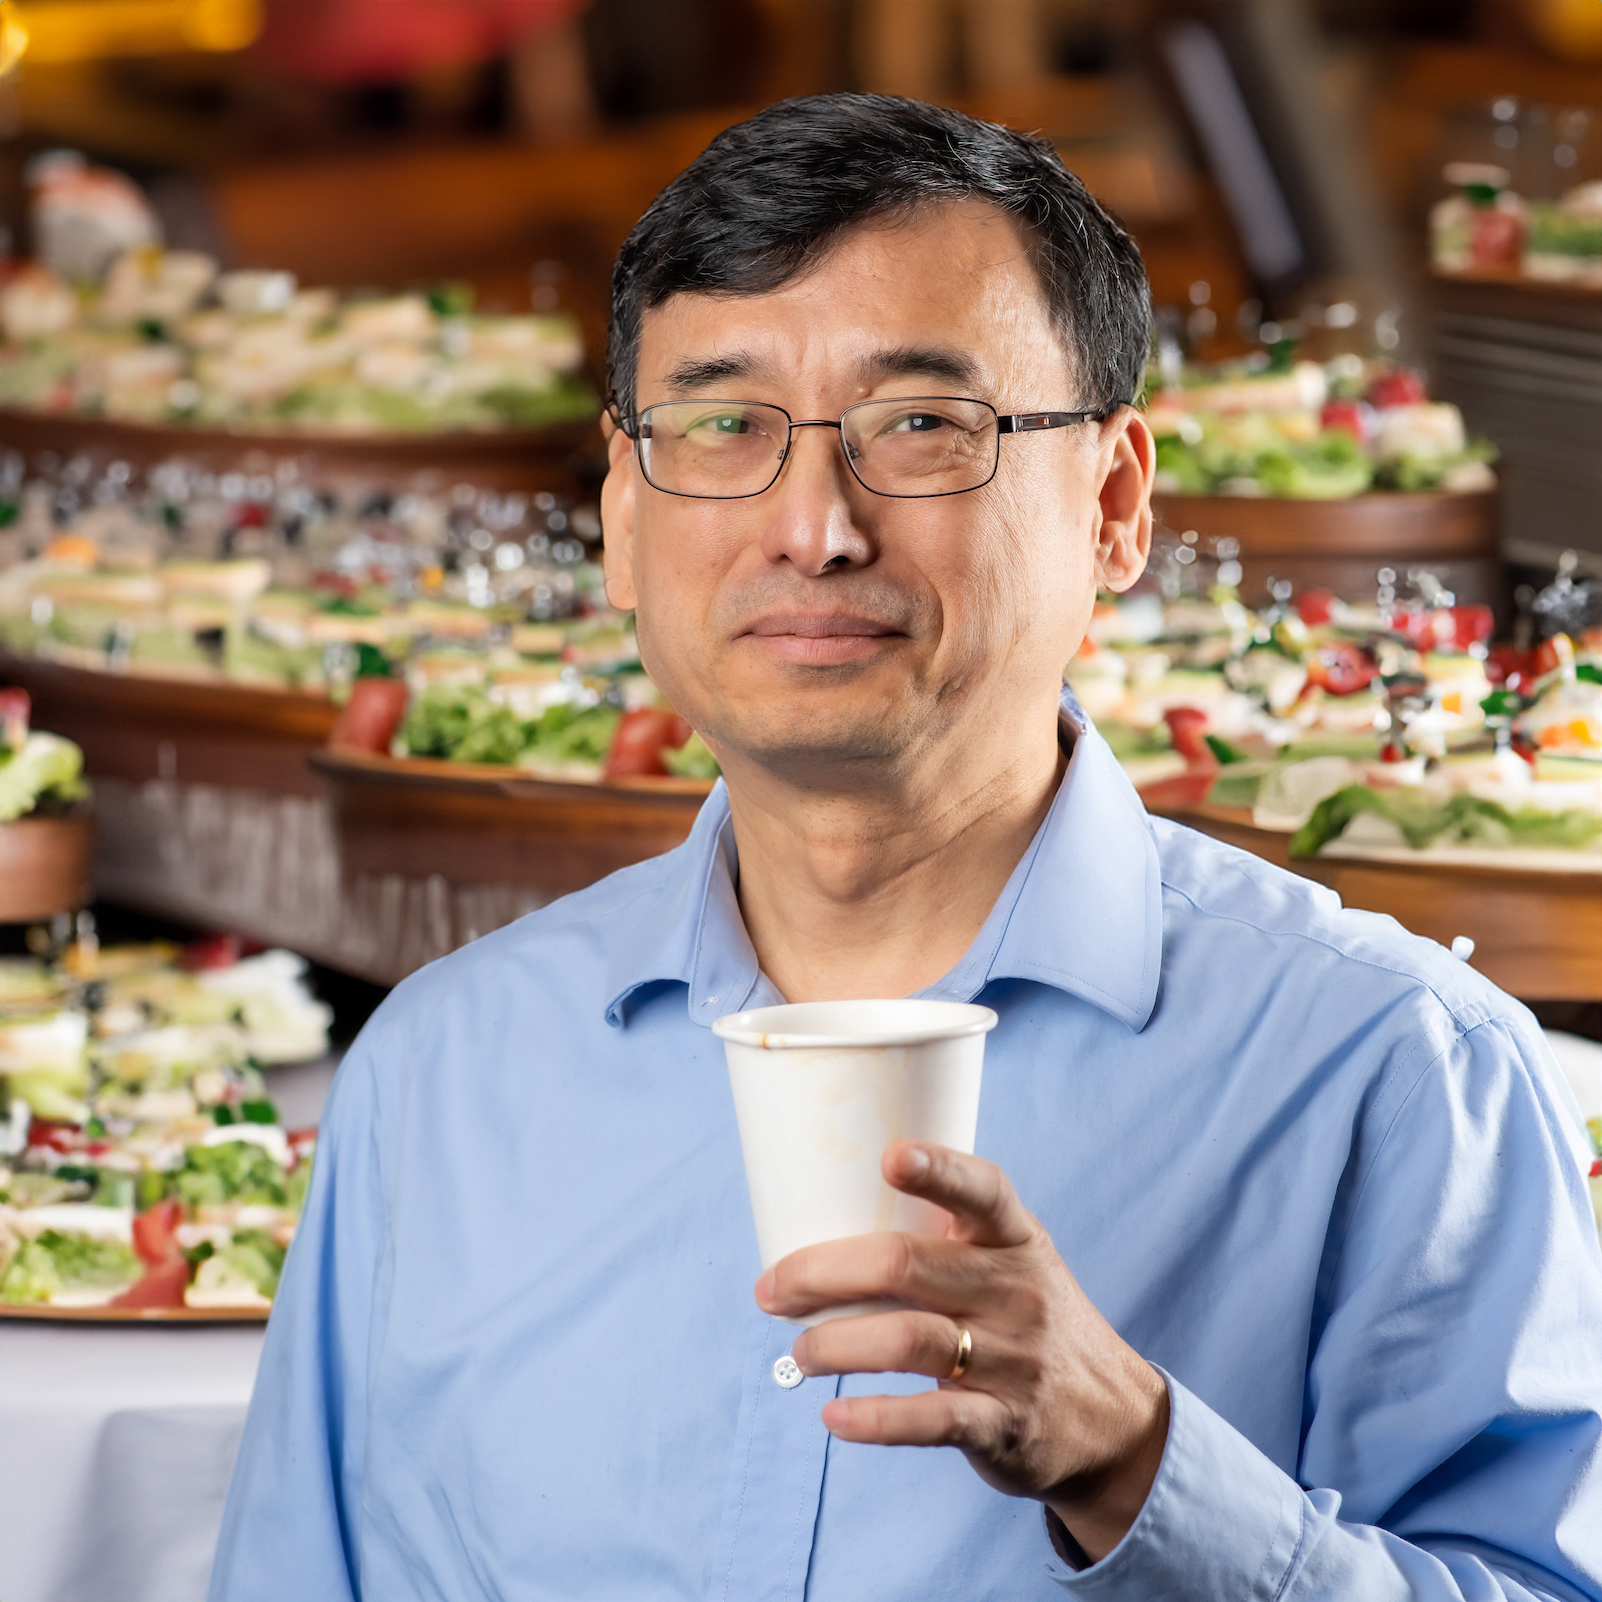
1034,422
629,426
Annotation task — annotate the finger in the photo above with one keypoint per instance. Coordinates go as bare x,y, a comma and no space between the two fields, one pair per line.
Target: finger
943,1276
965,1419
983,1205
881,1343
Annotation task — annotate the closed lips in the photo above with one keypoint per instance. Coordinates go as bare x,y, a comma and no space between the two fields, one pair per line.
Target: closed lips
818,626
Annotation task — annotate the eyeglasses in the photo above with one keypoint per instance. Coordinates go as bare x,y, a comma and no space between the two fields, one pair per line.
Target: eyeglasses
909,447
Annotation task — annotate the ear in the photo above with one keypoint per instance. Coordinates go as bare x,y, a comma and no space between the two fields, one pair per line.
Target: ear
1129,464
617,517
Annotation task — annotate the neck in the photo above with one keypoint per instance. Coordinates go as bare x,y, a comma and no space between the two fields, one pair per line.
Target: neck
878,894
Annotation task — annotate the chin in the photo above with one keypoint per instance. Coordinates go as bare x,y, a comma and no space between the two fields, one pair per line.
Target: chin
795,735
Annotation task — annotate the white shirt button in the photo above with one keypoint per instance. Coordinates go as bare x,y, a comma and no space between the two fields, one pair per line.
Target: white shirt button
787,1373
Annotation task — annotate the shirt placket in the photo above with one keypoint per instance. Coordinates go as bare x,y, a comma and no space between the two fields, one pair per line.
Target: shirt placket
770,1505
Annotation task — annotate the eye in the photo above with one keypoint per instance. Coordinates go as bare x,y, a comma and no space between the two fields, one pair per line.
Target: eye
721,425
918,423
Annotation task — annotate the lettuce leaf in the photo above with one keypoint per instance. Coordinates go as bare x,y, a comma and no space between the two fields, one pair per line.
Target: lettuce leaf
236,1170
461,724
562,734
1460,820
56,1262
47,768
1332,467
256,1256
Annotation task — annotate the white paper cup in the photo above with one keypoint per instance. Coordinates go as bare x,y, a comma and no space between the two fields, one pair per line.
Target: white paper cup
821,1089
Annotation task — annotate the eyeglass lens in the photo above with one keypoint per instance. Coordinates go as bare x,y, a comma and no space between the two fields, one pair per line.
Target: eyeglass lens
724,450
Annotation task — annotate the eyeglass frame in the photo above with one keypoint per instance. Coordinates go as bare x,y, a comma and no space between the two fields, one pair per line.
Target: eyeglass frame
1006,423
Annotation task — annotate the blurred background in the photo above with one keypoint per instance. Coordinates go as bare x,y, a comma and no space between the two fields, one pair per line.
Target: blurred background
307,674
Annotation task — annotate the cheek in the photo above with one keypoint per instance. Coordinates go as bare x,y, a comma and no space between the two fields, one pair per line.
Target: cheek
679,566
1031,557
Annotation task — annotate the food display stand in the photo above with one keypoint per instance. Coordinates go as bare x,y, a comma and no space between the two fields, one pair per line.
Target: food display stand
220,806
208,811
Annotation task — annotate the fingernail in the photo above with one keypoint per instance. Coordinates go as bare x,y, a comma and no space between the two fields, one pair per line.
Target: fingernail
764,1288
915,1162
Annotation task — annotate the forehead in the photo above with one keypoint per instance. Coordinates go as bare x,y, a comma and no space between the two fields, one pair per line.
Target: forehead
955,279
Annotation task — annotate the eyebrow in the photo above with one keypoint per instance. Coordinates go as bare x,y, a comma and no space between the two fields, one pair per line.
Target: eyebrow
900,361
692,375
921,361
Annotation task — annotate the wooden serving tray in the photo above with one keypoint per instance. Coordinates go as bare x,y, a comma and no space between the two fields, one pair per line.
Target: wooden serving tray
139,726
557,459
1383,525
46,867
474,824
1340,545
135,1315
1537,931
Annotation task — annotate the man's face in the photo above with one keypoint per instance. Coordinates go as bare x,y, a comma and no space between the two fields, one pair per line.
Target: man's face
818,629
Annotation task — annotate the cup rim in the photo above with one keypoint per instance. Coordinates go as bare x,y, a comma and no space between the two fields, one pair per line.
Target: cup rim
757,1027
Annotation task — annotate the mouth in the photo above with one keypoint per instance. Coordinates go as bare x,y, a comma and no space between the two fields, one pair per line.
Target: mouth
820,638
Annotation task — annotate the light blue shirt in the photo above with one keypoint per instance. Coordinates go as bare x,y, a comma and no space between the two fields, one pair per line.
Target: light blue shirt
1309,1165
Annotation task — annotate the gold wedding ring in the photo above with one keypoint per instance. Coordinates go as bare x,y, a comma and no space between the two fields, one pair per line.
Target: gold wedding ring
964,1353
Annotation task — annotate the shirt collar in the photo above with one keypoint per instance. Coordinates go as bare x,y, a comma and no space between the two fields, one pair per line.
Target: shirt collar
1087,914
694,934
1082,911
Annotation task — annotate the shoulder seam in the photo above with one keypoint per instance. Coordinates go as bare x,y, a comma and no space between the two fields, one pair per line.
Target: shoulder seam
1459,1013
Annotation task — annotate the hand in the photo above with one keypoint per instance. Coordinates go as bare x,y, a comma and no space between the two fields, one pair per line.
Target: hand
1054,1405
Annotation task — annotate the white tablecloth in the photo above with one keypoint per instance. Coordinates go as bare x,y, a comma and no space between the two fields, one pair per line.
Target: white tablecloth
115,1451
116,1443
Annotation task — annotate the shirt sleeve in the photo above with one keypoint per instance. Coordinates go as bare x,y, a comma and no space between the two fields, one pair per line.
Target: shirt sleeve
290,1526
1452,1437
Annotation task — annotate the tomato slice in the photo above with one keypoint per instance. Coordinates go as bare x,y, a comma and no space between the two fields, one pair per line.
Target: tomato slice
1187,727
1445,628
154,1236
372,714
1399,387
1187,789
1341,669
1315,606
212,951
1511,666
56,1135
163,1285
1345,415
1552,654
641,738
15,708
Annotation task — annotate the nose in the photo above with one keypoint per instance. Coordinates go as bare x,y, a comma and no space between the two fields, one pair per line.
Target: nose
812,520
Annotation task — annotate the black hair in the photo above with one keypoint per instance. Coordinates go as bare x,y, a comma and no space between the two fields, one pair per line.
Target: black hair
769,197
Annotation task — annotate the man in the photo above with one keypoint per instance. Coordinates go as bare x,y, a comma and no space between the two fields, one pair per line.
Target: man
1274,1277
